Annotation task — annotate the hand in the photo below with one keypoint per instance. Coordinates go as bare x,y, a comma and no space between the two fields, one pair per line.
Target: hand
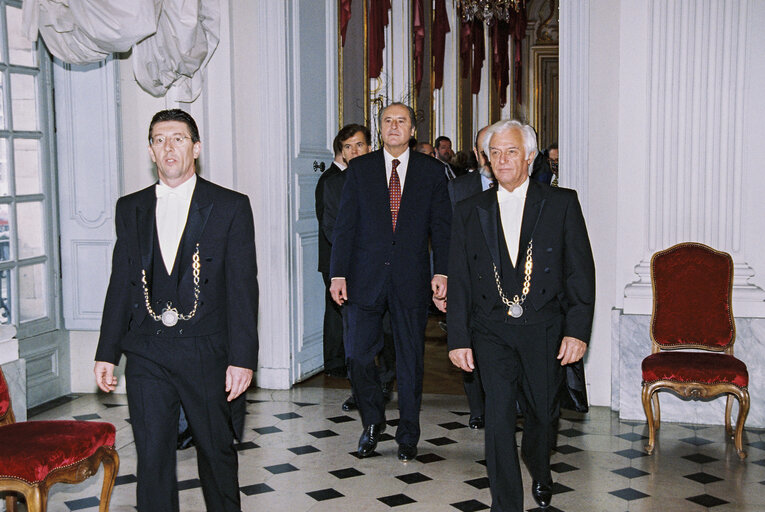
237,381
462,358
571,350
339,290
440,304
438,285
105,376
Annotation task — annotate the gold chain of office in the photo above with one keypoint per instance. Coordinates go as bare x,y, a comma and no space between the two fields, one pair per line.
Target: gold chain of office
170,315
514,308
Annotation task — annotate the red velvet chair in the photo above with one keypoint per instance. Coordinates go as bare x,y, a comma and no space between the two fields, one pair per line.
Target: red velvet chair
692,288
34,455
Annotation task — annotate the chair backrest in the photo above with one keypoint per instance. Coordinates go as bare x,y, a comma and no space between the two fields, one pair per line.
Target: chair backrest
6,413
692,289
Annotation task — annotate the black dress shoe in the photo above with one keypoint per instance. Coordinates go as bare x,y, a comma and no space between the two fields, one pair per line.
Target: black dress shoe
476,422
407,452
387,390
542,493
369,438
350,404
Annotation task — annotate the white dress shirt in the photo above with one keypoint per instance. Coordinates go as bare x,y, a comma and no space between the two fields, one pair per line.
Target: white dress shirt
403,159
172,212
511,212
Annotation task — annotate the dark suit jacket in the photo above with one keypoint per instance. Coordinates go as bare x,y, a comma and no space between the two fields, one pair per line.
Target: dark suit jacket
563,264
365,248
220,220
464,186
325,246
333,191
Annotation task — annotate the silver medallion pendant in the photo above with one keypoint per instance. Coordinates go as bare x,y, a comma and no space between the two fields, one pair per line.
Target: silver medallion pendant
515,310
169,317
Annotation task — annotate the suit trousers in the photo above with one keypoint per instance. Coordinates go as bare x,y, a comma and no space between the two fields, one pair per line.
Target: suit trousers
334,354
471,381
509,356
363,343
162,374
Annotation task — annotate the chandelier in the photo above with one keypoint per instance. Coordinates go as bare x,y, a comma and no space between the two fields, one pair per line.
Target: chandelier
487,11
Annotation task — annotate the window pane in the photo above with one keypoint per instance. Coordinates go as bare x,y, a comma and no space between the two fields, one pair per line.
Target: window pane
2,102
33,289
29,219
20,50
5,178
24,102
26,154
5,232
5,296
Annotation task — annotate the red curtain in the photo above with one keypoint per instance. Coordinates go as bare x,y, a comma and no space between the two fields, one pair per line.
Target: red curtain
466,46
479,54
345,17
519,32
418,26
500,32
440,29
378,20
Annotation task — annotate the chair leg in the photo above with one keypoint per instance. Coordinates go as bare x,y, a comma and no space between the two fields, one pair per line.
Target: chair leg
743,410
111,462
728,411
647,398
656,410
10,502
37,499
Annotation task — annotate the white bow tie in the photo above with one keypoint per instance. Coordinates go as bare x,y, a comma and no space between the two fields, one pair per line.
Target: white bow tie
163,190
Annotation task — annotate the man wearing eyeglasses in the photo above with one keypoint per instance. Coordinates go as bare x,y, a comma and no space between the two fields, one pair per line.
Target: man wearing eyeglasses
182,306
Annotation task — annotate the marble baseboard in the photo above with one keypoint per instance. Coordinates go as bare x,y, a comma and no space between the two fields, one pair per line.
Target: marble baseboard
631,342
16,375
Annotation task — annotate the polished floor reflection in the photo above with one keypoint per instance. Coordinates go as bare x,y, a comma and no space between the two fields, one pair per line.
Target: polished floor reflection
297,456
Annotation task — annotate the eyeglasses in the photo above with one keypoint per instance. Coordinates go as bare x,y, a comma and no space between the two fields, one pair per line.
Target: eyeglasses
174,140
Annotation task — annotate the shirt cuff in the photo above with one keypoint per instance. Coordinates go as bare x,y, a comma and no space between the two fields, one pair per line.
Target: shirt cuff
336,278
442,275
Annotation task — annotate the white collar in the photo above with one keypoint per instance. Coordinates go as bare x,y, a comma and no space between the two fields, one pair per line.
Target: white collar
519,192
184,190
403,159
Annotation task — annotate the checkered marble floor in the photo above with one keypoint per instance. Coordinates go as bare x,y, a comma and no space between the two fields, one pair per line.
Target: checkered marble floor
297,456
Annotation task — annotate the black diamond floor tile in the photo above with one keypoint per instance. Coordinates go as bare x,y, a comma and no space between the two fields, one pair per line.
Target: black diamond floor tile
253,401
707,500
392,423
191,483
700,458
631,453
278,469
251,490
759,462
482,462
346,473
325,494
692,427
551,508
630,472
125,479
287,416
303,404
321,434
571,432
386,437
396,500
632,436
479,483
470,506
267,430
629,494
703,478
82,503
111,406
452,425
341,419
248,445
559,488
414,478
760,445
460,413
562,467
87,417
441,441
302,450
696,441
632,423
567,449
427,458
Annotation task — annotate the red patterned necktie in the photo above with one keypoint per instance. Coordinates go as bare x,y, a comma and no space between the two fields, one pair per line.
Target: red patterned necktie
394,189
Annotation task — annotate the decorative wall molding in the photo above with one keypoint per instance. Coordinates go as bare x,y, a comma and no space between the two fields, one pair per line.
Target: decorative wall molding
87,110
695,115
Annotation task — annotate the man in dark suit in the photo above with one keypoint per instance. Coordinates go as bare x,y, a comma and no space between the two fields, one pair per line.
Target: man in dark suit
521,300
351,140
182,305
394,204
461,188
